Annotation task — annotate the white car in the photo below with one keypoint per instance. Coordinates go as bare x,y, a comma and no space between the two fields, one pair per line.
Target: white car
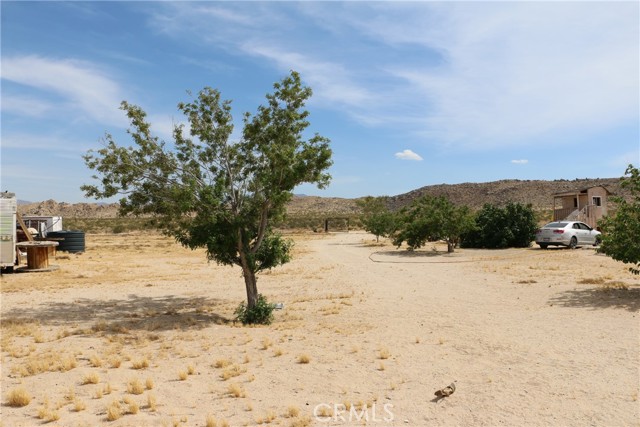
567,233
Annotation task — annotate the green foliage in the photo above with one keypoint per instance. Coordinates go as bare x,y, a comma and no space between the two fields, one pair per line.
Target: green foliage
261,313
376,217
208,191
621,231
432,218
513,226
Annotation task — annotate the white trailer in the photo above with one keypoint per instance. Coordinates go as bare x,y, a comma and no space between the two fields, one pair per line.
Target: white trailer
8,210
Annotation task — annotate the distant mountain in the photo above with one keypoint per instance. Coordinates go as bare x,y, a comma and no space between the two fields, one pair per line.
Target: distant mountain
537,192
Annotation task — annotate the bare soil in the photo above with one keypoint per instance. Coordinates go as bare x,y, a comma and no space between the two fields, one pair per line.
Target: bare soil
140,330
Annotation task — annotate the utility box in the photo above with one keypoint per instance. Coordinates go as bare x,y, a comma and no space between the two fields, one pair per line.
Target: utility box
8,210
44,224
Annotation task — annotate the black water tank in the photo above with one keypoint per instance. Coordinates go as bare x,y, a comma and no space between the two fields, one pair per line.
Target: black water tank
68,241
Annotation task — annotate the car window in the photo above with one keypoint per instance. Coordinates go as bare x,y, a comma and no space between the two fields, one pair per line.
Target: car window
585,226
576,226
556,225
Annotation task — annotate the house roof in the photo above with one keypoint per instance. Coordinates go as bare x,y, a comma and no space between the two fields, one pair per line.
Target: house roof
580,191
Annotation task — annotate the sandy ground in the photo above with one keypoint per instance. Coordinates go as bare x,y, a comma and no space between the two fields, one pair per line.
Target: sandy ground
139,324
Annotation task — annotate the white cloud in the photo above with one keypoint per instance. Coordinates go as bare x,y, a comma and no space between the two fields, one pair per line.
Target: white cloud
520,162
408,155
25,106
83,86
513,71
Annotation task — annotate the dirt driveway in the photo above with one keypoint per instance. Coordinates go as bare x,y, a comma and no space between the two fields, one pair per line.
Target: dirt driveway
367,334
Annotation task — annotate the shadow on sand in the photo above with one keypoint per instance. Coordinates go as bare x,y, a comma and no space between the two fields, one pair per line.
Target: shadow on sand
599,298
131,313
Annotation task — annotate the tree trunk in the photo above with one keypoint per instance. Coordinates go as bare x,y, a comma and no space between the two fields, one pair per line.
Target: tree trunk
450,246
250,282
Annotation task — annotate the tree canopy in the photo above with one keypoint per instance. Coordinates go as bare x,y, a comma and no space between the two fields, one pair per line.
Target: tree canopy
376,217
621,231
432,218
207,190
513,226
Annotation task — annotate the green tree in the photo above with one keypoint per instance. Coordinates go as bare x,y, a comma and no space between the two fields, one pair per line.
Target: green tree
513,226
210,191
376,217
432,218
621,231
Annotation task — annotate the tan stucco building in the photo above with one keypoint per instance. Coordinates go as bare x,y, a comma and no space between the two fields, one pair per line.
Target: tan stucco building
587,205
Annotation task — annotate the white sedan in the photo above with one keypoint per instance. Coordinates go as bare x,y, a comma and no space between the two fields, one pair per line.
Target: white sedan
567,233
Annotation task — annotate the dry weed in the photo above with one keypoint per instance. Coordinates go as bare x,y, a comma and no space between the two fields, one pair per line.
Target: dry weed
236,390
132,404
152,402
114,411
292,412
18,397
183,375
266,418
384,353
304,359
79,405
231,372
140,363
211,421
149,383
222,363
134,386
92,378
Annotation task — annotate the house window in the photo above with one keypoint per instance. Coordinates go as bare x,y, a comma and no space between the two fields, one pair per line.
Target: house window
597,201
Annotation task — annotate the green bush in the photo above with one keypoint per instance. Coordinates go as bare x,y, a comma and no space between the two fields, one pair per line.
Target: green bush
261,313
513,226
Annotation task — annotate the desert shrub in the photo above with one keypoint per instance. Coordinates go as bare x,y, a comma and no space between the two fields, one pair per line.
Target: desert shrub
513,226
376,217
431,218
261,313
620,231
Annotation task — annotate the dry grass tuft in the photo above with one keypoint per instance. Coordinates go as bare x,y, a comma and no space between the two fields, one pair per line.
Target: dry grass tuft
79,405
134,386
266,418
115,362
140,363
592,281
292,412
133,407
278,352
381,367
304,359
183,375
114,411
211,421
236,390
231,372
149,383
92,378
266,343
152,402
191,369
384,353
614,286
301,422
95,361
18,397
223,363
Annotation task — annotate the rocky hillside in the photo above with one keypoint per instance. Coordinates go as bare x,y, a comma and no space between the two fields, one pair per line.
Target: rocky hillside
538,193
474,195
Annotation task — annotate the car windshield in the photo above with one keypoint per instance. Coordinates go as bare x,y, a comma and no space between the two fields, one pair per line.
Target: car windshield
556,225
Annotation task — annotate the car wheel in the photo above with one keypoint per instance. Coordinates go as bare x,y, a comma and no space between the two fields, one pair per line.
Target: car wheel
573,242
543,245
597,241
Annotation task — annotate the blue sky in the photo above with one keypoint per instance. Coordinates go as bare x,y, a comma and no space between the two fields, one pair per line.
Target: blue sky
410,94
